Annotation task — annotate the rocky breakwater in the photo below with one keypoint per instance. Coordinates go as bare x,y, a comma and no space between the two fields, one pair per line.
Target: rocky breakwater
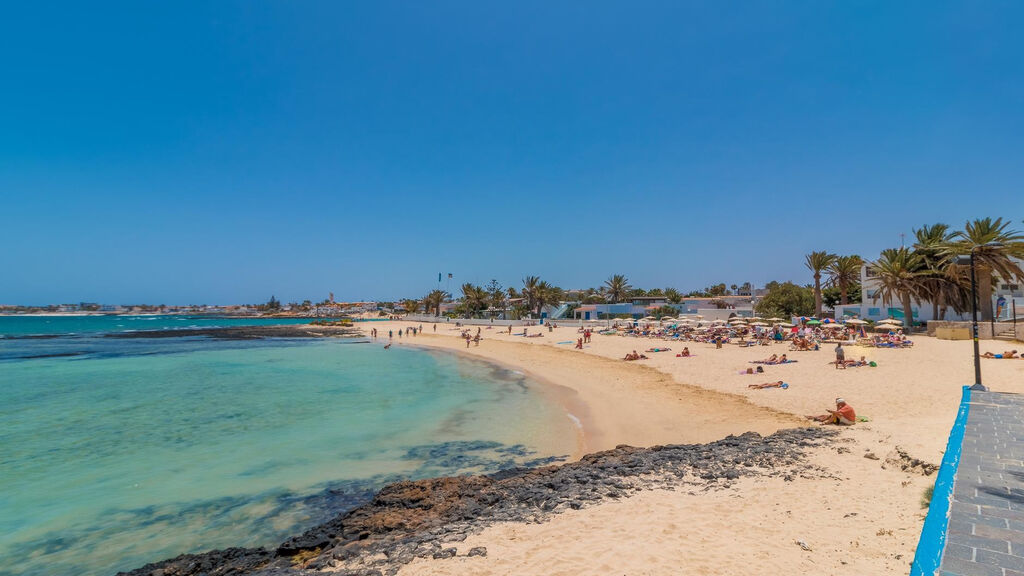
426,518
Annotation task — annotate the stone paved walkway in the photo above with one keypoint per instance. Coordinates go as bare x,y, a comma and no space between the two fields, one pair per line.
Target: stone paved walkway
985,535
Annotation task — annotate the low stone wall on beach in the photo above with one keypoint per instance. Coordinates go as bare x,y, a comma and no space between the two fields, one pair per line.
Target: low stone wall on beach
985,329
409,520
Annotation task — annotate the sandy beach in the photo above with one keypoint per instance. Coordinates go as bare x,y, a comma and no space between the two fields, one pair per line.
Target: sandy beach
863,512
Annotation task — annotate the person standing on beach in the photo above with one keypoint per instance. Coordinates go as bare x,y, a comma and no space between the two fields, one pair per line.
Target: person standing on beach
840,356
435,327
391,334
509,329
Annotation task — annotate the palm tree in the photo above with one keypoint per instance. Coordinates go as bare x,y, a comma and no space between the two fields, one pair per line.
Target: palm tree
673,295
433,300
898,274
978,236
411,306
531,290
818,262
843,273
617,287
474,299
942,283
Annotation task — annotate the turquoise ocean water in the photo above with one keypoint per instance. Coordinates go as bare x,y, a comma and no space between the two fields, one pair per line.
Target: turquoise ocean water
114,453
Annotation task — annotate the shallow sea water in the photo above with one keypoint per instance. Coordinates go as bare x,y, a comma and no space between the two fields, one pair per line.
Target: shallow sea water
136,450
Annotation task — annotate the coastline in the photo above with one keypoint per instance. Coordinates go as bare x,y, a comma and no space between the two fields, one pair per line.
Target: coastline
854,505
622,403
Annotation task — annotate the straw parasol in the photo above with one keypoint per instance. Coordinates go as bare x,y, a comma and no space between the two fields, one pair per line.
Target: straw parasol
776,319
786,325
759,324
855,321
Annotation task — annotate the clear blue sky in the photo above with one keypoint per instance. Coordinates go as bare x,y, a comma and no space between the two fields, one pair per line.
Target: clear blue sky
222,152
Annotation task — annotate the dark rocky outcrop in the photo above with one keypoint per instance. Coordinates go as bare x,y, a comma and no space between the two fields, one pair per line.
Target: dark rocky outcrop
406,520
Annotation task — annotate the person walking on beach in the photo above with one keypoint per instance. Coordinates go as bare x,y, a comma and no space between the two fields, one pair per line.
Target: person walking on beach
840,356
435,327
391,334
509,329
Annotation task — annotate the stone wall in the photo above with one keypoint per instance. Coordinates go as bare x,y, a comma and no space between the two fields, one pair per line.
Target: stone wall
984,328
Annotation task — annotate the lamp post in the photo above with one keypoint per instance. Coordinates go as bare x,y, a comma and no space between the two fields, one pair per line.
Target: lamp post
974,315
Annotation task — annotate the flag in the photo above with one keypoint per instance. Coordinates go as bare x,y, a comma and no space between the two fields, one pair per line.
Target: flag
438,276
449,275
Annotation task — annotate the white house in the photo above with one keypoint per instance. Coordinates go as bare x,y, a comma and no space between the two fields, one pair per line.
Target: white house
1007,296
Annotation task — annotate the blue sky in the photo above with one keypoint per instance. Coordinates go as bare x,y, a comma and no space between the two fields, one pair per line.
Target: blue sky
223,152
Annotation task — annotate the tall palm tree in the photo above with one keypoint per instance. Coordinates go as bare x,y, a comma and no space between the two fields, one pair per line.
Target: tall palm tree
531,290
818,262
843,273
898,273
617,287
989,260
411,306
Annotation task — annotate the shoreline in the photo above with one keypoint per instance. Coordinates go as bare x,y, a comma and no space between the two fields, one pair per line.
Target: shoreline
868,472
563,396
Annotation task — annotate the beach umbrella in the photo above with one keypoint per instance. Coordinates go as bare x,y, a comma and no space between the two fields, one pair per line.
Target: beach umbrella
786,325
813,322
756,318
759,324
855,321
776,319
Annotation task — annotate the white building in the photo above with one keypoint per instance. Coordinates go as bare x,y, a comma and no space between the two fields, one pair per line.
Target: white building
1007,297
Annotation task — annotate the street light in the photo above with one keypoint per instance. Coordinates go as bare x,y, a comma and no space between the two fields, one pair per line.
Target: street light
974,313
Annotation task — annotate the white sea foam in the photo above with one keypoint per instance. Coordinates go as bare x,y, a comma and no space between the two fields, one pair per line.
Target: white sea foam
575,420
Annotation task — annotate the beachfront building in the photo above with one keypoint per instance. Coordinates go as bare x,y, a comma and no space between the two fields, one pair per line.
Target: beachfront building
1007,296
642,306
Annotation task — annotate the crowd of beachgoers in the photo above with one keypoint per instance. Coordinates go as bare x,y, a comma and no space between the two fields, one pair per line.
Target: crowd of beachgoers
757,333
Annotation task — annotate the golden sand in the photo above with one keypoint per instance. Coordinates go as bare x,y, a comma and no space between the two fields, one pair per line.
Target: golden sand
865,517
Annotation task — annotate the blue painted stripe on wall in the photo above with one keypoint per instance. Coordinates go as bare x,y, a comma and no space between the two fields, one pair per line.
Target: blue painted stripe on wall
933,534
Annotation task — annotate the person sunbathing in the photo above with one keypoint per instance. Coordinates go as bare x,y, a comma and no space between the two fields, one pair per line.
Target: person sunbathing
1007,355
685,353
857,363
843,415
779,384
634,356
658,350
772,359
